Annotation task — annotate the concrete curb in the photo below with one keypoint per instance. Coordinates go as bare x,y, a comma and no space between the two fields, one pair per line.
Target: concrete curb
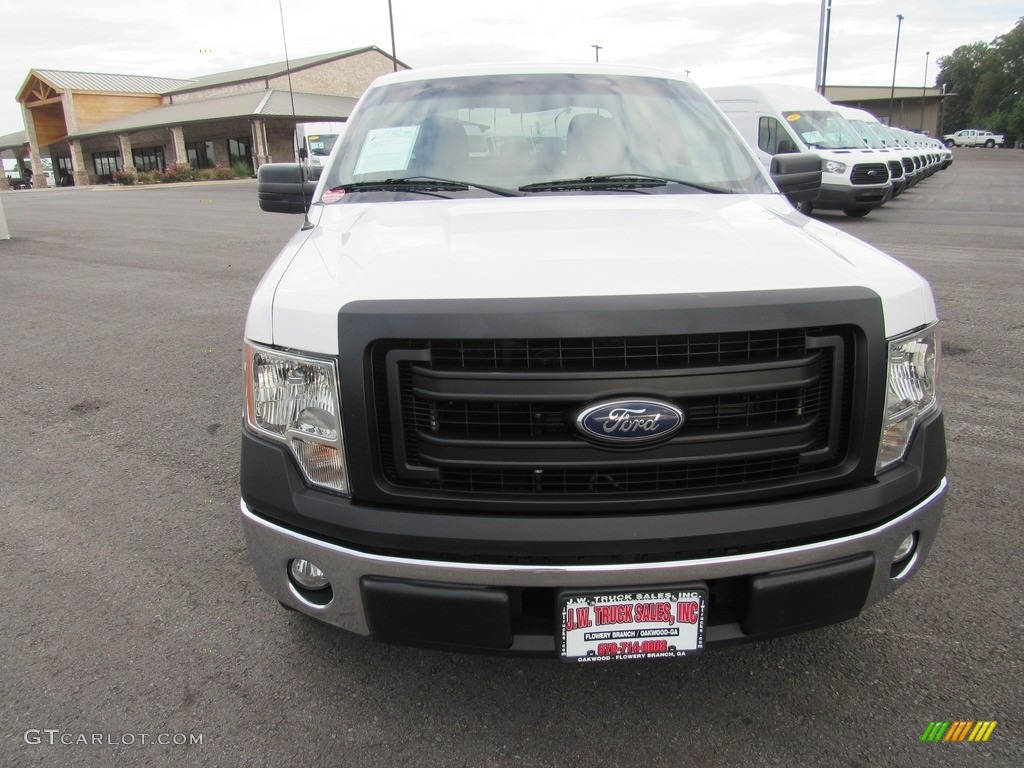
126,187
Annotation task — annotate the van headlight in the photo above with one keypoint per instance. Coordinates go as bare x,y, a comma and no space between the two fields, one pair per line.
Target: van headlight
833,166
293,400
911,392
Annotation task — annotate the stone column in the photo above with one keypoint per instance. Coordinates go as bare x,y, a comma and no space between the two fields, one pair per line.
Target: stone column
38,176
5,233
261,155
78,166
127,158
178,144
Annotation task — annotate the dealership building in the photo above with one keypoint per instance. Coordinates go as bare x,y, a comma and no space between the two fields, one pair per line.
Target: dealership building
91,125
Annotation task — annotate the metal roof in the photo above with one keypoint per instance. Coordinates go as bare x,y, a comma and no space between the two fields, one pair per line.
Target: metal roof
308,105
240,106
15,140
94,81
876,92
264,71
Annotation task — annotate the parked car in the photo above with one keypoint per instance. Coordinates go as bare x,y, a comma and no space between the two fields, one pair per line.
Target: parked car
787,118
603,397
971,137
867,126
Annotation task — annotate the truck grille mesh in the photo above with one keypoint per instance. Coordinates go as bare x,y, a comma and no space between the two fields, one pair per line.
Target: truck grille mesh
869,173
495,418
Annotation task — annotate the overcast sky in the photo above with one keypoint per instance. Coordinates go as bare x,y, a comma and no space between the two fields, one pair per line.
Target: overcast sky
718,41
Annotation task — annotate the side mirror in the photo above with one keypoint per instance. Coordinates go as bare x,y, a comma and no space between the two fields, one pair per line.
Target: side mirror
797,175
284,188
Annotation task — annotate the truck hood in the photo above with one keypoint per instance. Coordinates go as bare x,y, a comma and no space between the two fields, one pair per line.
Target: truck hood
560,246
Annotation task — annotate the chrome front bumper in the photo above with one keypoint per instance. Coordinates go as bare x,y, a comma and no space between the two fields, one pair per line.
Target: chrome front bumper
271,548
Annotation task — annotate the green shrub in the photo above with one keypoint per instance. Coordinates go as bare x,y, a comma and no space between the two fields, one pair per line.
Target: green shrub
147,177
222,173
241,169
205,174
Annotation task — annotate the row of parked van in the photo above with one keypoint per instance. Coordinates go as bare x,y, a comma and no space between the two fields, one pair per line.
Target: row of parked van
864,163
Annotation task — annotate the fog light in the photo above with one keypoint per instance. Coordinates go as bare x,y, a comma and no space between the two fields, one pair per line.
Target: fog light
307,575
905,548
903,558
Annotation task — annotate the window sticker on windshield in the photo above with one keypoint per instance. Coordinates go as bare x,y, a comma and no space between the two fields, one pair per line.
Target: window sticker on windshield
387,149
794,117
813,137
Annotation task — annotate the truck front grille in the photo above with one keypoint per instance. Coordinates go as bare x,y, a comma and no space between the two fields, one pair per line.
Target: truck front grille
895,169
869,173
495,417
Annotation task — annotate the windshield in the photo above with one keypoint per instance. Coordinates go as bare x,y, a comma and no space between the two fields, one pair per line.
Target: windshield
321,144
511,132
863,129
880,132
823,129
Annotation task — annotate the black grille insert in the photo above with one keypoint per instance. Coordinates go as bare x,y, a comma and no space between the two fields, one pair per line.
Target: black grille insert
869,173
490,418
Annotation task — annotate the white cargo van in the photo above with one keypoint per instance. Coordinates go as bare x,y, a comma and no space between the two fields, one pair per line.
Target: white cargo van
863,120
774,119
314,142
901,165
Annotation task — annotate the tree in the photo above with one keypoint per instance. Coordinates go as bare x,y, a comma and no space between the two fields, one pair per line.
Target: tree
1010,48
986,83
960,74
1015,120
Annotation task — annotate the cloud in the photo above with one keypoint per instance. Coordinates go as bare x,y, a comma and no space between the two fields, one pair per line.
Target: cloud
719,42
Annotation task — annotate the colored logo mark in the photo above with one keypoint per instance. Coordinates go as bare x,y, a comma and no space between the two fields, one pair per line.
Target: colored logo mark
958,730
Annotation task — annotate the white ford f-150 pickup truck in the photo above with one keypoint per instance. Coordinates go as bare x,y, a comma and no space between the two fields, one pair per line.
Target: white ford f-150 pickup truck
591,388
970,137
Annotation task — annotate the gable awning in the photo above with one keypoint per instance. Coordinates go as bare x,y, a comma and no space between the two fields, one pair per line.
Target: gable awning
271,103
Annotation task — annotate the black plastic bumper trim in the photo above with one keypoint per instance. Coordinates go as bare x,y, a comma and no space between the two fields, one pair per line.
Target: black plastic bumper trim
784,601
273,488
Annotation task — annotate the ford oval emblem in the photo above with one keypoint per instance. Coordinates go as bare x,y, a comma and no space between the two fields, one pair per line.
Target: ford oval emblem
630,422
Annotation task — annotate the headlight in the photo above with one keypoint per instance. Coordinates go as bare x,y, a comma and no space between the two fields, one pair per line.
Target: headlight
911,392
833,166
293,400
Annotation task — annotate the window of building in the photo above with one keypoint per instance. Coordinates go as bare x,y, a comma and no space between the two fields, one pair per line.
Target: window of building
240,150
148,158
65,173
106,163
200,154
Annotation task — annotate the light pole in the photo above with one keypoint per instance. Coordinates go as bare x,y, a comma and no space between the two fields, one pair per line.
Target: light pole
391,19
823,33
597,52
924,88
896,58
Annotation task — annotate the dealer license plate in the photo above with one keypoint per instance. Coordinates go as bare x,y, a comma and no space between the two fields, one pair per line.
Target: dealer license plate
631,625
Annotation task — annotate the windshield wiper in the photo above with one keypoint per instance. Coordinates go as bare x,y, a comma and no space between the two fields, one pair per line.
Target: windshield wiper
425,184
616,181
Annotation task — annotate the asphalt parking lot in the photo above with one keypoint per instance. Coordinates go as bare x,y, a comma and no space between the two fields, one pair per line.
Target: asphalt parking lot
134,631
